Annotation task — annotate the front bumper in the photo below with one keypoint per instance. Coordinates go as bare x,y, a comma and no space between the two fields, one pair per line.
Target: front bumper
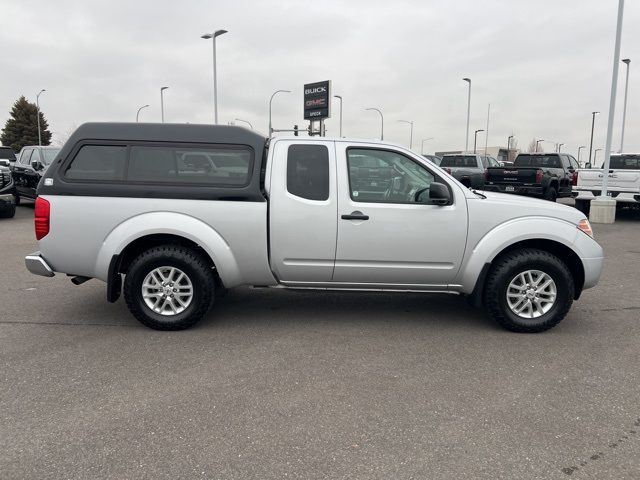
592,271
37,265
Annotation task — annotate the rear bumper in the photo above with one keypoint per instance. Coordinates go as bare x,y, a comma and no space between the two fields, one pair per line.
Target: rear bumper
534,191
37,265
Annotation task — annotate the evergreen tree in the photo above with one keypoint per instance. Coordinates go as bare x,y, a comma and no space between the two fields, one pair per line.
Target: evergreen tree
22,128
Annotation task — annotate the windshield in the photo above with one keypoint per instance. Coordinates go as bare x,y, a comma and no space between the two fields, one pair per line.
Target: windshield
48,154
629,162
537,161
7,153
459,161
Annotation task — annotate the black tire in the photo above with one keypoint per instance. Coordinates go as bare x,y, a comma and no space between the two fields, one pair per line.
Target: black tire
196,268
8,212
17,199
506,267
583,205
551,194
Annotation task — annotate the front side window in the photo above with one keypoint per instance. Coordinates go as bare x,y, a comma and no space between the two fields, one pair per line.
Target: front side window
308,171
493,162
25,158
386,177
220,166
98,162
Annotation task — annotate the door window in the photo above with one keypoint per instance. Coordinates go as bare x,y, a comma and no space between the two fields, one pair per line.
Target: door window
308,171
386,177
493,162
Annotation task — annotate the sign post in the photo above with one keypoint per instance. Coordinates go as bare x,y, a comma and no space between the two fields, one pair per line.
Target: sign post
317,105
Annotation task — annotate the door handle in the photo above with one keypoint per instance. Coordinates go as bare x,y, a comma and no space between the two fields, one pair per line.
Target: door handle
357,215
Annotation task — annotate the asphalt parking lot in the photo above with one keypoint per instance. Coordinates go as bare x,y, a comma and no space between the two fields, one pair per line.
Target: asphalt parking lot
281,384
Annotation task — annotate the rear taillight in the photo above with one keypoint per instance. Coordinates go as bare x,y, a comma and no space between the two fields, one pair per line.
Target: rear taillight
538,176
574,178
41,217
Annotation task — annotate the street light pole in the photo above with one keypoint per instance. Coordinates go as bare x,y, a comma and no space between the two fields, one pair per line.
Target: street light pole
466,142
270,101
213,37
537,142
560,147
381,120
595,155
486,134
509,145
410,122
38,115
580,148
422,144
138,114
339,97
624,109
475,138
248,123
162,102
593,121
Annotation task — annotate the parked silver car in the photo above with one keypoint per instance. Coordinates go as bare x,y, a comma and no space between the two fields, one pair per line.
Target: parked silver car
171,213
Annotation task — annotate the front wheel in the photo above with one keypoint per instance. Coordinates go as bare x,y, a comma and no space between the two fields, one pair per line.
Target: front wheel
169,287
528,290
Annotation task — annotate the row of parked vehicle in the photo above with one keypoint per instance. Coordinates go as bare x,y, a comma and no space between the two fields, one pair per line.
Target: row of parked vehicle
549,176
20,174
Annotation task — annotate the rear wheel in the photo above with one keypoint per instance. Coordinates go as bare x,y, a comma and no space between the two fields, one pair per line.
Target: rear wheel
169,287
528,290
551,194
583,205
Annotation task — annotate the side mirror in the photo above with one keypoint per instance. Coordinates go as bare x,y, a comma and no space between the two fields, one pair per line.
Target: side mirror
36,165
439,194
587,165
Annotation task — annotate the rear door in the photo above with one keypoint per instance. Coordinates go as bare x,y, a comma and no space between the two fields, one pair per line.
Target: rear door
303,211
386,237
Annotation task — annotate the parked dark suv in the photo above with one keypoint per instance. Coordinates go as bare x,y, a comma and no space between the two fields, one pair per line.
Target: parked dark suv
29,168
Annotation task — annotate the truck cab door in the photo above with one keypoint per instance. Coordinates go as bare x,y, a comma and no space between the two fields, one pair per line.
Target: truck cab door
388,235
303,206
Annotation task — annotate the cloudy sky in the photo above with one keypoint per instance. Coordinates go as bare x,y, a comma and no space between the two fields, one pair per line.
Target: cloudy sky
544,65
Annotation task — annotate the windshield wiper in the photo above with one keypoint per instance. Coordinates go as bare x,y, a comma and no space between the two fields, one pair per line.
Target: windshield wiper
481,195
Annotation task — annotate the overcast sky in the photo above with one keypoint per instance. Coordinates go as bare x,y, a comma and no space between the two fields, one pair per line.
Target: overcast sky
543,65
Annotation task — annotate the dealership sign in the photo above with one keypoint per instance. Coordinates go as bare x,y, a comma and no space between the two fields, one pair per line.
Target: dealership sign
317,100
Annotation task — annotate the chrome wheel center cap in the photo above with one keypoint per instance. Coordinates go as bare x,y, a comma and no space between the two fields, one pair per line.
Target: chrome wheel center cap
531,294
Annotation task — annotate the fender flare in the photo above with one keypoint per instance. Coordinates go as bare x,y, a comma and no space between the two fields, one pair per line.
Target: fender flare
169,223
509,233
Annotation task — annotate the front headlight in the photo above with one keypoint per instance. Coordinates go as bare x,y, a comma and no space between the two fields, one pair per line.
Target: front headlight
585,226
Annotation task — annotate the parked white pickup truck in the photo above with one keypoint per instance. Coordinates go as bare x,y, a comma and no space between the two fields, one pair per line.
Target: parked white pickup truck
623,183
170,214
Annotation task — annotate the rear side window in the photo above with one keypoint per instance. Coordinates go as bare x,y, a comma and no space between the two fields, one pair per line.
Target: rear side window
98,162
308,171
197,165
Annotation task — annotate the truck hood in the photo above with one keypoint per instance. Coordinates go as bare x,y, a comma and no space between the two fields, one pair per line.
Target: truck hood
504,206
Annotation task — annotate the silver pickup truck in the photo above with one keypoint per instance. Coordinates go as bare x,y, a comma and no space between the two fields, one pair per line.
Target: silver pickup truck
173,214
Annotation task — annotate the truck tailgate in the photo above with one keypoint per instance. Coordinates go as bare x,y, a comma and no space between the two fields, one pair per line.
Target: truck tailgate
620,180
512,175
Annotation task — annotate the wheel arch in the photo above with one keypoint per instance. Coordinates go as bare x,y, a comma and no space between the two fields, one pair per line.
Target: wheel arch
555,237
139,233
